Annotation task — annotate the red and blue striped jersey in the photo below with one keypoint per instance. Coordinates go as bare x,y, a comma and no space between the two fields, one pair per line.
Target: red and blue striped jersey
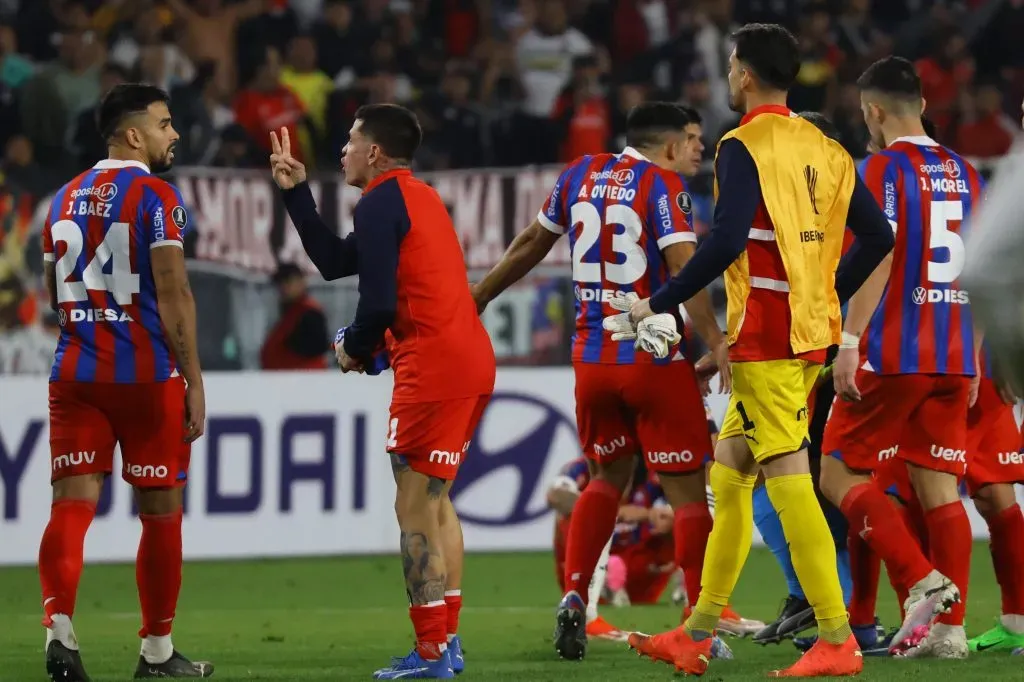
620,211
923,323
98,233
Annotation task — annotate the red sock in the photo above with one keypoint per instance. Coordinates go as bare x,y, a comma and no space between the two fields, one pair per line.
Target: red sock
692,527
865,569
914,519
590,527
430,622
1007,547
61,555
949,534
158,572
871,516
453,600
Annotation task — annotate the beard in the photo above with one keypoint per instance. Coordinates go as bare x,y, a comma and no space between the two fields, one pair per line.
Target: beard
164,163
736,102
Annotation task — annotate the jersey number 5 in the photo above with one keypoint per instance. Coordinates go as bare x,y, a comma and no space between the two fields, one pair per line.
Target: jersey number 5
625,244
114,249
942,214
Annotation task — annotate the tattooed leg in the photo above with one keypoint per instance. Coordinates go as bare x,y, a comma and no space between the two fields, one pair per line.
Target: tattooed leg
418,504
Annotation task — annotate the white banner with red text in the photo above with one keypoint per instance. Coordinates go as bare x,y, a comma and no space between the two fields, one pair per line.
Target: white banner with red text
293,464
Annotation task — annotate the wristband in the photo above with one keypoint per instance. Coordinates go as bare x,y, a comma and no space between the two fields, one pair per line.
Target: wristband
849,341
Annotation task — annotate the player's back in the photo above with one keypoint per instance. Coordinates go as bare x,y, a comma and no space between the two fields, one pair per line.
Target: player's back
436,324
620,211
99,232
923,323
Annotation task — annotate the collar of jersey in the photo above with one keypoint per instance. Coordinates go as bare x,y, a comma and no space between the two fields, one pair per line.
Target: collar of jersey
386,175
919,140
765,109
111,164
634,154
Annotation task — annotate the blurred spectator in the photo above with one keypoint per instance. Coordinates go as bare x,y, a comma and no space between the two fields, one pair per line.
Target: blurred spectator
815,88
20,170
714,28
983,129
581,113
714,113
338,46
165,63
461,127
266,105
948,69
299,339
627,96
235,149
857,35
200,115
849,120
544,56
85,136
15,68
210,28
38,29
310,84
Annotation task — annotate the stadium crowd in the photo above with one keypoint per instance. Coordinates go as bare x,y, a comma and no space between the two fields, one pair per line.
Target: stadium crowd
495,82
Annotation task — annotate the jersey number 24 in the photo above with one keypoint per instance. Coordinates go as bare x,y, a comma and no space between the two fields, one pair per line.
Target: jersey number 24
122,283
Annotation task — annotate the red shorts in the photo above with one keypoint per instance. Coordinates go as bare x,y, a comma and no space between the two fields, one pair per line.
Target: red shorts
146,420
920,418
648,571
434,437
993,441
653,409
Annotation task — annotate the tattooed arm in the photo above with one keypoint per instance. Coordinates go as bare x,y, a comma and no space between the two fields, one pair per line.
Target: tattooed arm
178,314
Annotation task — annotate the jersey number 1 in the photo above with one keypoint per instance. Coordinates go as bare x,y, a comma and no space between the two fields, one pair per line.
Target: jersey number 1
633,263
122,283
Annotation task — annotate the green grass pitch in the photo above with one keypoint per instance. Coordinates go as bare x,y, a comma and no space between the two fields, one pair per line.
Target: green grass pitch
342,618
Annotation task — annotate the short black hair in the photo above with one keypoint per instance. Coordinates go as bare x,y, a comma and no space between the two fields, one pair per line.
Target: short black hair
647,122
822,123
892,76
124,100
771,52
394,128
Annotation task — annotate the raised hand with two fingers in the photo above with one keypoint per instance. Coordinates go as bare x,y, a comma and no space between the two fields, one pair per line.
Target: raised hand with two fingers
287,170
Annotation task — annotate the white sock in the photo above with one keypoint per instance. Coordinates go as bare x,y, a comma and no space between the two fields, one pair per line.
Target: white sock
62,631
157,650
597,582
1013,622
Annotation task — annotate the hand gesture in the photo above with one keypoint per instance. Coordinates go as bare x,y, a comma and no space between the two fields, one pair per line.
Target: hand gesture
195,412
287,170
844,371
346,362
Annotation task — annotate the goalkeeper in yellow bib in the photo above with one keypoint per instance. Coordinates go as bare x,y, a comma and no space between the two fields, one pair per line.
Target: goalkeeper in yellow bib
784,193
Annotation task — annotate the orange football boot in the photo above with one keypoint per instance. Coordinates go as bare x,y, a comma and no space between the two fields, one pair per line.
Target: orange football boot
826,660
675,647
599,628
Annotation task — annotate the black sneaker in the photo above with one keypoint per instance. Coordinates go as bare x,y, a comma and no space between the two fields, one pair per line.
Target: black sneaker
175,666
64,664
570,636
795,617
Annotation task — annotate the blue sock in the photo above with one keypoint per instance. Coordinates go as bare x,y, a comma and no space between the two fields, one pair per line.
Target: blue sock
768,525
838,525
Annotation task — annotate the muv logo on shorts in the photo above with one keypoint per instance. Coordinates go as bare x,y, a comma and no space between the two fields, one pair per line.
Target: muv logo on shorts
73,459
683,457
888,453
949,454
451,457
605,450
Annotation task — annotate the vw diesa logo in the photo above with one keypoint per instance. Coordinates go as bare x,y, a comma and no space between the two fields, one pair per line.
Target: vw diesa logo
519,447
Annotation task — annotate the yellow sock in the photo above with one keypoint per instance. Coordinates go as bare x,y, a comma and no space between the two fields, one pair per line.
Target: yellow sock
813,551
728,546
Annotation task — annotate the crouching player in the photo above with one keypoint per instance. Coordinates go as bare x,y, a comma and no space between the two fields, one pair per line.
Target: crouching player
126,372
414,297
